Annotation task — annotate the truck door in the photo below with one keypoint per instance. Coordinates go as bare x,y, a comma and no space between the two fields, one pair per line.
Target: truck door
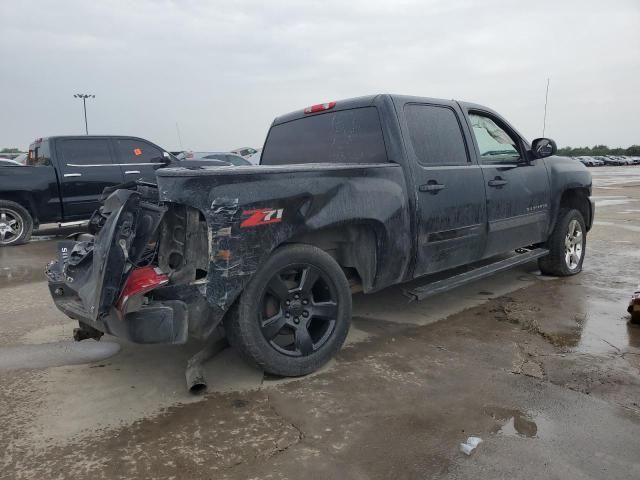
86,169
138,159
450,204
518,206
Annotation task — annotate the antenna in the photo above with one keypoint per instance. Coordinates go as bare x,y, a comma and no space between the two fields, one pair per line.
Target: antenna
179,136
546,98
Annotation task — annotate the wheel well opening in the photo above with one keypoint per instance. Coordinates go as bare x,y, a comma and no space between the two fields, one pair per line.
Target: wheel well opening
24,201
353,247
577,198
355,281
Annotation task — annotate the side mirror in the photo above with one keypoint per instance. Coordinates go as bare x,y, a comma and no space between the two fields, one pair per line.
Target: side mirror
543,147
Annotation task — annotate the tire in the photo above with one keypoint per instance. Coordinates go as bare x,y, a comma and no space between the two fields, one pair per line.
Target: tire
298,337
567,248
16,224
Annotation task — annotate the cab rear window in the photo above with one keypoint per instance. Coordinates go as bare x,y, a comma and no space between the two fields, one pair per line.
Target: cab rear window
344,136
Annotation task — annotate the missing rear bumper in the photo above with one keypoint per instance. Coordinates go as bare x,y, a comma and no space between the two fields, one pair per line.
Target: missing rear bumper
165,321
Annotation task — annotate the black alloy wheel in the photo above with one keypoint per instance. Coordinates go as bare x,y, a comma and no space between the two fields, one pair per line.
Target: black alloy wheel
294,314
299,310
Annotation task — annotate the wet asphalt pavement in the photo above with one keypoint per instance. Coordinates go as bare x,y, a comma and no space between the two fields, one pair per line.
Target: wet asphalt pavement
546,371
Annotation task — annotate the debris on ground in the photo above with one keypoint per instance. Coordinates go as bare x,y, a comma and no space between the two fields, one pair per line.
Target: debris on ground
470,445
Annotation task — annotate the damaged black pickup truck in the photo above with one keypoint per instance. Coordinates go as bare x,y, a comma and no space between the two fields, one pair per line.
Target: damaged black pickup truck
351,195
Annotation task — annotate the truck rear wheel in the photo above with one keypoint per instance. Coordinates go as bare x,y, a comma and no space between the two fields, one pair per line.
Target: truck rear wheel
294,314
16,224
567,245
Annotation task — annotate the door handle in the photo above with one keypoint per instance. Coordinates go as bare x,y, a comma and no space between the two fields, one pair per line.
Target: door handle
131,172
67,175
497,182
431,187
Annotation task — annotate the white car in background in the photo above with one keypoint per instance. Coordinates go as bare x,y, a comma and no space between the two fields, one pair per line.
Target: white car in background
7,162
21,159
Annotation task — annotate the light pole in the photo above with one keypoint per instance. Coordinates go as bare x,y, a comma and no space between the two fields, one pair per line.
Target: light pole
84,97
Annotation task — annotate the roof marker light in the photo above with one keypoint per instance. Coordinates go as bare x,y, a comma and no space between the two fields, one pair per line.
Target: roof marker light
319,107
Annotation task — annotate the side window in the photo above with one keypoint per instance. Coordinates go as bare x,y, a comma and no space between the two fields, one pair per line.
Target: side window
137,151
344,136
436,135
43,155
90,151
495,144
39,156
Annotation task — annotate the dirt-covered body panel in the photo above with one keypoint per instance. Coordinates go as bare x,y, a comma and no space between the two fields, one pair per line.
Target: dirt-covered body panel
568,175
250,211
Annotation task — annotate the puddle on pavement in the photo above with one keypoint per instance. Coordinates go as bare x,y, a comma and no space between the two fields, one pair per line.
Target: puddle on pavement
613,200
631,228
25,263
11,276
596,324
514,423
607,177
606,328
56,354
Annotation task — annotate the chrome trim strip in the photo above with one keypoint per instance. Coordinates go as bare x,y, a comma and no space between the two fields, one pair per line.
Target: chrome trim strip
519,220
66,175
112,164
131,172
455,233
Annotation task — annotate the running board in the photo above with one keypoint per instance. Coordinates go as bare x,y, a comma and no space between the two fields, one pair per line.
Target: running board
433,288
51,226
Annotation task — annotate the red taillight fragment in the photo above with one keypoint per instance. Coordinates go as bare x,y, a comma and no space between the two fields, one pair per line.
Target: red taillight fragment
319,107
140,281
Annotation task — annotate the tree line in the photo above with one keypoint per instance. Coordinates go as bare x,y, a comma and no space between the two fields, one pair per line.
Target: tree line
633,151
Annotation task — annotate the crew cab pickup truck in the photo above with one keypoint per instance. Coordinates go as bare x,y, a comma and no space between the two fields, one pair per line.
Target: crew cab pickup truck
358,194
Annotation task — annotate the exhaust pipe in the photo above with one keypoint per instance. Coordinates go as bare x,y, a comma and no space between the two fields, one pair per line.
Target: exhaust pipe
194,373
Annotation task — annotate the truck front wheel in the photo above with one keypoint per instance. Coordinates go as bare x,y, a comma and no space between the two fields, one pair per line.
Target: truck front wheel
16,224
567,245
294,314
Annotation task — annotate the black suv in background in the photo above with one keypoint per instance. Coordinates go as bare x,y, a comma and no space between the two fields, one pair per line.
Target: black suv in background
64,177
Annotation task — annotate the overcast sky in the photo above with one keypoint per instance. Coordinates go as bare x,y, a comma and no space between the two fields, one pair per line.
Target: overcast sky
224,70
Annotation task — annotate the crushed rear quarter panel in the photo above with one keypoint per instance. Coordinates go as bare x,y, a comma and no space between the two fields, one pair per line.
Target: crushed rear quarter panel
293,200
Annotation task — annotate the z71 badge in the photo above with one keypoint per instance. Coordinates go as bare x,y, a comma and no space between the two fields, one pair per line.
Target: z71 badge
263,216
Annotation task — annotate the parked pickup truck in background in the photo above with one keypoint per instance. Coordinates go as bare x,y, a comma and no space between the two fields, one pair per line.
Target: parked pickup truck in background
64,178
356,194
